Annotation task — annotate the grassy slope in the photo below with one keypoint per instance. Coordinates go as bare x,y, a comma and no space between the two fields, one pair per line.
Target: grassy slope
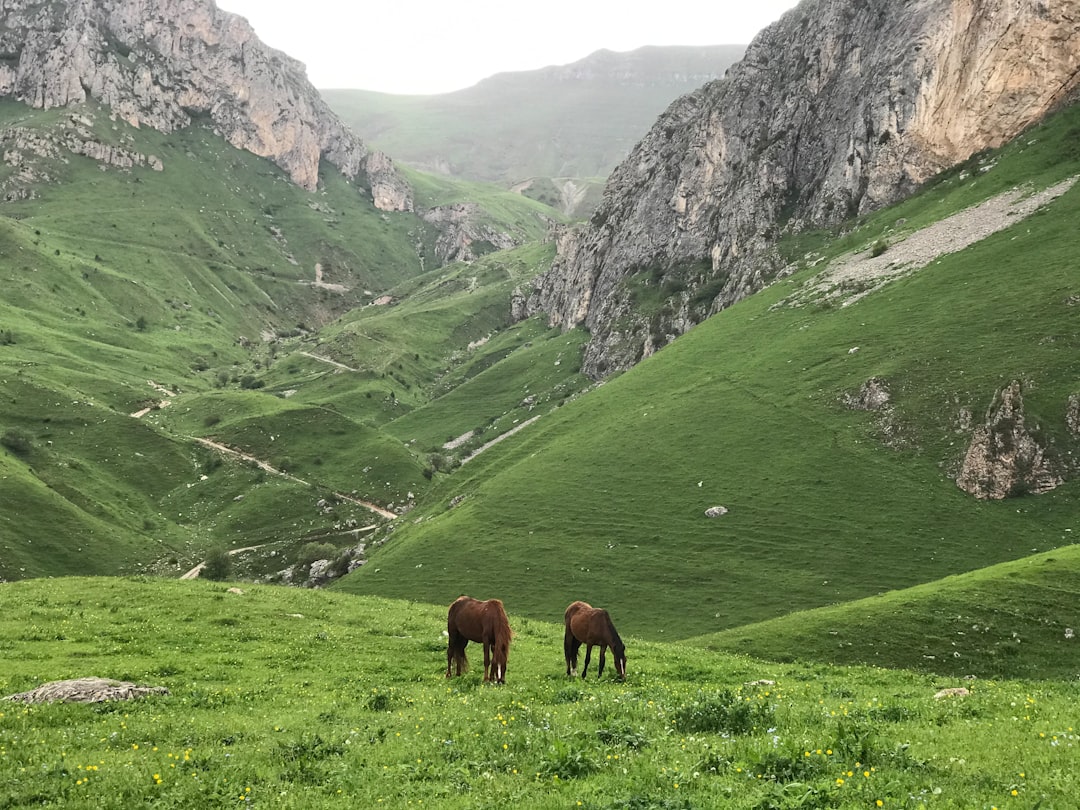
605,500
291,698
1015,618
119,282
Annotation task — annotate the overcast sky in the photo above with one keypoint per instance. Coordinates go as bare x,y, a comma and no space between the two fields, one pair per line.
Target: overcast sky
428,46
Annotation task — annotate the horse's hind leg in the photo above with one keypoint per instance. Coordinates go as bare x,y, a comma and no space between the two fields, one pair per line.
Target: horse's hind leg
455,654
570,649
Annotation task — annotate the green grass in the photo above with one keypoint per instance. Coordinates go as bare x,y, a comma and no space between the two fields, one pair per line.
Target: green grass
288,698
1015,619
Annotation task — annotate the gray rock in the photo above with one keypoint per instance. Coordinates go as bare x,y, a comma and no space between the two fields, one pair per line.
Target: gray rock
1003,458
87,690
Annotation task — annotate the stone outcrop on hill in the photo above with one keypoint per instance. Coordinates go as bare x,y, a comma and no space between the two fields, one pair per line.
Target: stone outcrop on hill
841,107
1004,457
167,63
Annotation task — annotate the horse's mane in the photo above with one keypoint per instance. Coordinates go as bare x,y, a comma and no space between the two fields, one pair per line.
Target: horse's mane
616,643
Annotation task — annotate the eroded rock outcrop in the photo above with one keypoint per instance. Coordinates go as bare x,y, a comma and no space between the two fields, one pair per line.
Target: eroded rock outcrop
841,107
167,63
1004,458
463,233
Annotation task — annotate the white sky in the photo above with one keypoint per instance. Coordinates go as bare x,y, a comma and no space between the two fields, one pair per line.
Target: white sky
428,46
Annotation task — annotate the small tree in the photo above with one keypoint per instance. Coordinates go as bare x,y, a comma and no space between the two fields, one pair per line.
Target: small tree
218,565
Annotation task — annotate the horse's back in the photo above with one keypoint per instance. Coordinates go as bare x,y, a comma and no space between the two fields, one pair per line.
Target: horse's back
574,608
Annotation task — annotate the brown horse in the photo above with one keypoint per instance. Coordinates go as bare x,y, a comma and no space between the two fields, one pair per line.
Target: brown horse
484,622
588,625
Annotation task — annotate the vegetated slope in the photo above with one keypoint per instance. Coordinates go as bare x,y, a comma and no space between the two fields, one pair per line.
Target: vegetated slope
299,698
569,124
605,500
1012,619
133,290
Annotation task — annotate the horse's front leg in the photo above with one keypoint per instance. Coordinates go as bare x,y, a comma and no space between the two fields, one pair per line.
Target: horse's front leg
487,661
588,656
603,652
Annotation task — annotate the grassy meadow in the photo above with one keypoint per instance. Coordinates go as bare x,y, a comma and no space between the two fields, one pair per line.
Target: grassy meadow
291,698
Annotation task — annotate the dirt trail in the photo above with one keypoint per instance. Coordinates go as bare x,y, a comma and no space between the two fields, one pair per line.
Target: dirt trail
498,439
262,465
328,361
161,389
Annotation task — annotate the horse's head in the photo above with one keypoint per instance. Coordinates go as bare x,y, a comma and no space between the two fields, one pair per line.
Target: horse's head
620,661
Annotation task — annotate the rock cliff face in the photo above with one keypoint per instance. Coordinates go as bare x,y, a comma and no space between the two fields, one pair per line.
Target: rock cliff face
840,107
464,236
166,63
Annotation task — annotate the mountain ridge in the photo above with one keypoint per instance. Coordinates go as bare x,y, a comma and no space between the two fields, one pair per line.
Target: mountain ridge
563,124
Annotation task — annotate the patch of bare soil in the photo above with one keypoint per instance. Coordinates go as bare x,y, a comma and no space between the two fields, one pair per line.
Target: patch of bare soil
851,277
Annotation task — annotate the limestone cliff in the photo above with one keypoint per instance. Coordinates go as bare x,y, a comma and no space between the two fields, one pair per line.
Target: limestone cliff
840,107
166,63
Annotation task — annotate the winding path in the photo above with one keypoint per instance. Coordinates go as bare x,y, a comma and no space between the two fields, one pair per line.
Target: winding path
262,465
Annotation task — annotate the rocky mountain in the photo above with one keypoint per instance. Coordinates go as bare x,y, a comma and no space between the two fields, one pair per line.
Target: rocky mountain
167,63
839,108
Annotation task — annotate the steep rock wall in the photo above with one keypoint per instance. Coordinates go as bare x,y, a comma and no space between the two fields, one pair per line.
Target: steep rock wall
165,63
840,107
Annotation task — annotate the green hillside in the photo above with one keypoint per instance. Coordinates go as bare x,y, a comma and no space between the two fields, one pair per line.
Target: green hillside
1013,619
307,699
606,497
145,307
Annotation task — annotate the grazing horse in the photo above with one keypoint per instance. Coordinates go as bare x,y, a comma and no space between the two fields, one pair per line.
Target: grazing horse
588,625
484,622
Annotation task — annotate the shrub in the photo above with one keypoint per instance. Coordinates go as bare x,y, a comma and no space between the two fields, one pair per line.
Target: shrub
218,565
310,552
17,442
879,247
